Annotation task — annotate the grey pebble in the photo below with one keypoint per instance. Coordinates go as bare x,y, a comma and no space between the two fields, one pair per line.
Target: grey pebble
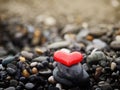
95,57
99,44
40,59
10,88
51,80
104,85
33,64
115,44
27,54
113,65
45,72
60,44
13,82
29,86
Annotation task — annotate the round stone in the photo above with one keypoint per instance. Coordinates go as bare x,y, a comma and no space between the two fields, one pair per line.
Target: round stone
29,86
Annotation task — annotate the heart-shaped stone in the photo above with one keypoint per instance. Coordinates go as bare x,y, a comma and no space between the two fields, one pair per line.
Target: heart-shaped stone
68,59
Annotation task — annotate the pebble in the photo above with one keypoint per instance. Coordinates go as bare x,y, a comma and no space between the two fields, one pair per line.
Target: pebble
11,71
113,66
39,51
98,72
70,76
34,70
95,57
104,85
13,82
1,67
22,59
25,73
33,64
69,37
115,45
50,21
82,34
45,72
40,59
97,31
117,38
69,28
61,44
58,85
27,54
29,86
10,88
99,43
51,80
7,60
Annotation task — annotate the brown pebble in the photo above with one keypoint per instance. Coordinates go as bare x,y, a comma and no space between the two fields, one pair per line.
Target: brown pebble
22,59
38,51
89,37
34,70
25,73
98,72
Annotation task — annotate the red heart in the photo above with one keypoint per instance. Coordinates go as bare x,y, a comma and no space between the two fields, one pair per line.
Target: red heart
68,59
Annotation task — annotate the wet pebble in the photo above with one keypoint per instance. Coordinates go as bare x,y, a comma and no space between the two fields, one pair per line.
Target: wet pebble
11,71
29,86
99,43
115,44
95,57
27,54
51,80
45,72
60,44
13,83
40,59
33,64
104,85
113,66
10,88
7,60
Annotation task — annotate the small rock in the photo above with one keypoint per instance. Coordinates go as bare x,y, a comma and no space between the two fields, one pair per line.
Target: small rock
34,70
38,51
33,64
60,44
51,80
25,73
99,44
27,54
98,31
45,72
1,67
11,71
10,88
117,38
98,72
113,66
115,45
104,85
13,83
69,28
82,34
95,57
7,60
29,86
40,59
22,59
58,85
